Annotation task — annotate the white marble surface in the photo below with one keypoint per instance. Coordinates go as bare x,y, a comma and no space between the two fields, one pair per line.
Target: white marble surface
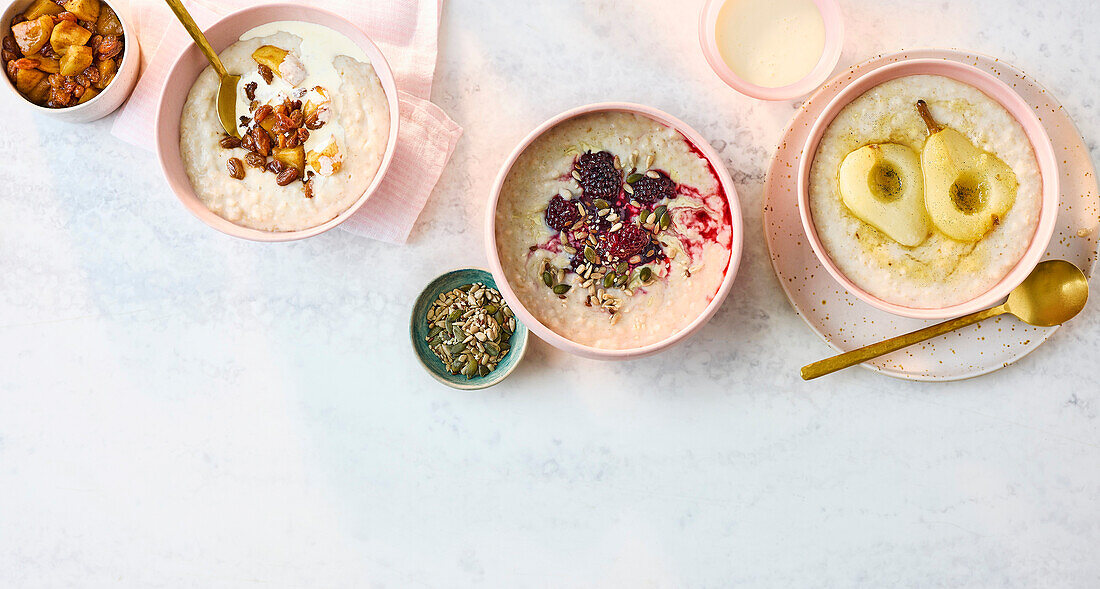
182,409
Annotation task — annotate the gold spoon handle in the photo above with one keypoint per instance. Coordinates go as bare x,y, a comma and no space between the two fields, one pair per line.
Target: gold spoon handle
860,355
196,34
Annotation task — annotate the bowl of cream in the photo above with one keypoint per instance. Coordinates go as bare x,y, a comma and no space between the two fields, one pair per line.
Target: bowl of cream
772,49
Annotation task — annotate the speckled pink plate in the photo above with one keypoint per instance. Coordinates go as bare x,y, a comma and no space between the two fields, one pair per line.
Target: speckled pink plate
845,322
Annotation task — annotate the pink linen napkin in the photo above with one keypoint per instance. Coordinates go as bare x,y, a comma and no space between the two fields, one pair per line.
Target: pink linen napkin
405,30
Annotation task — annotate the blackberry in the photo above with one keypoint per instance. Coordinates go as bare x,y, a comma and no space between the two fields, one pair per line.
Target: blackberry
598,176
624,243
561,214
649,190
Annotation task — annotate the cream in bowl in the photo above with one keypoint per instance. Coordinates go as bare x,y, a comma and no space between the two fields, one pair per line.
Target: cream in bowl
925,194
614,231
314,129
771,49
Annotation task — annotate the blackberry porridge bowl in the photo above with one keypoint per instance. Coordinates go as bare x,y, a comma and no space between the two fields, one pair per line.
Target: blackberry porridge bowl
318,114
614,231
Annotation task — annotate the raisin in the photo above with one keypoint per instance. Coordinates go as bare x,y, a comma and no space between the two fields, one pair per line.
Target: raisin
296,118
287,176
291,140
92,74
263,141
47,51
250,90
265,73
110,47
66,16
229,142
249,143
10,44
255,160
302,135
275,166
263,112
26,63
308,187
236,168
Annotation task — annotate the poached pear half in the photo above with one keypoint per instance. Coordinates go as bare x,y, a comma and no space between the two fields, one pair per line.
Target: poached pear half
967,191
881,184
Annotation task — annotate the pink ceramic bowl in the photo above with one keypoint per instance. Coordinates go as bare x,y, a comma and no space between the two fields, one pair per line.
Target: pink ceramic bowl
190,64
111,97
549,335
1006,97
830,53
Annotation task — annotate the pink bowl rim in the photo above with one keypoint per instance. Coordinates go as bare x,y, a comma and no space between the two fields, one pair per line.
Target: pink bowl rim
736,240
185,193
1016,107
830,54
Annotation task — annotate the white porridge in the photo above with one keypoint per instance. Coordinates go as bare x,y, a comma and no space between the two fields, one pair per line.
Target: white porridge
613,230
314,129
939,270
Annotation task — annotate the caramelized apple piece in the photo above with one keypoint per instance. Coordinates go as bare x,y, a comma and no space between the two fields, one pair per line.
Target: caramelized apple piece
68,33
47,64
32,35
89,93
76,59
41,7
108,24
292,156
107,70
270,56
26,80
84,9
40,92
327,161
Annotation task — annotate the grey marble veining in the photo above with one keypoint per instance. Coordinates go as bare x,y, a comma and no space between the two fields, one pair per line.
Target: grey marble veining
182,409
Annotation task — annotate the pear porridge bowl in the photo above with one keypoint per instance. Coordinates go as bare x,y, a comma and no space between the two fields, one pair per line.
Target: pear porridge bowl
613,231
318,111
928,189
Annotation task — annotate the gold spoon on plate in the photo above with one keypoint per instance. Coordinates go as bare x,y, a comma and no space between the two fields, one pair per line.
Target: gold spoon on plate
227,92
1052,294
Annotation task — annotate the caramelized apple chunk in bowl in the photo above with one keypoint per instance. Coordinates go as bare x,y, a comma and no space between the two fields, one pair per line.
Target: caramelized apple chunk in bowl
64,54
929,189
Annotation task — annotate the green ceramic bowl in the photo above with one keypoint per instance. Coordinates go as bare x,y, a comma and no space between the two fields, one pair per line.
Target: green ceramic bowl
418,331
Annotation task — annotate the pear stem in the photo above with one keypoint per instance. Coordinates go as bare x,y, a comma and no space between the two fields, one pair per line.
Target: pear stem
933,126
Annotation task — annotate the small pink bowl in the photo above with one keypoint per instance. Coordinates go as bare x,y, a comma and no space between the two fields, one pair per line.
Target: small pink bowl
1007,98
190,64
548,334
830,53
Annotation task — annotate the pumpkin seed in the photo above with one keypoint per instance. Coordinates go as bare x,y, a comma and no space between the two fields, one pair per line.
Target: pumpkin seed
633,178
561,289
609,280
666,220
657,212
601,203
492,348
590,254
645,274
621,267
547,279
490,309
434,332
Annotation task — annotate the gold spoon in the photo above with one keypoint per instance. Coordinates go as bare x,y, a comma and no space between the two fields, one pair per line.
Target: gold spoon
1052,294
227,92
